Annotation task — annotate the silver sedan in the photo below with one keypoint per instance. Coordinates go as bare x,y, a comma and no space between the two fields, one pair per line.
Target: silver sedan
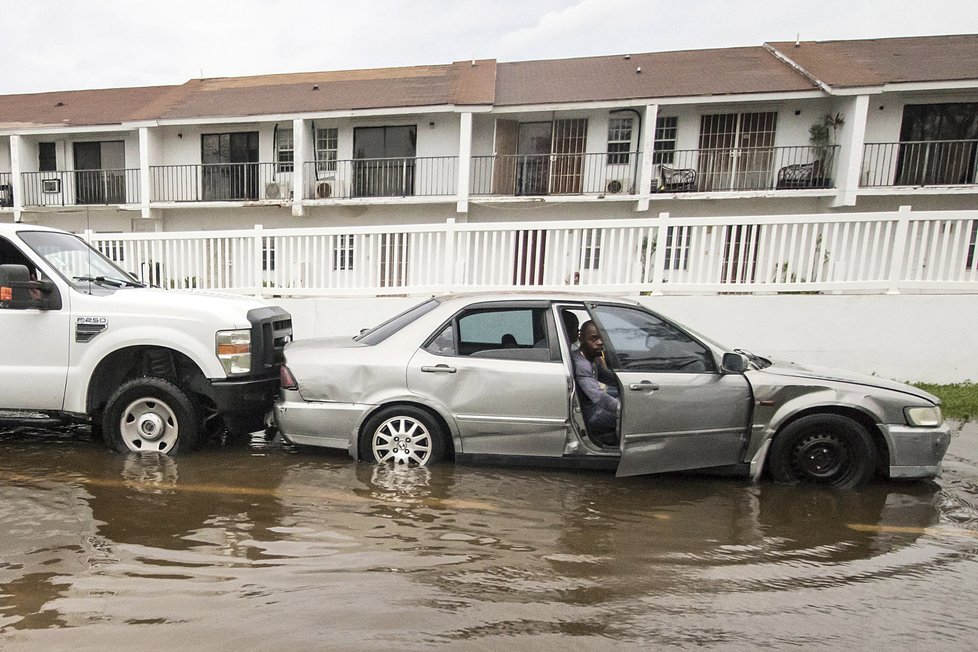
491,376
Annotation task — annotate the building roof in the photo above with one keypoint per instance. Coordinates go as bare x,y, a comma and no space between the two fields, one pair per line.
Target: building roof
874,62
77,108
651,75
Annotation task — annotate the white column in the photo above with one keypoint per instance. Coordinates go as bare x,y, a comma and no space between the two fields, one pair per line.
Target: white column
647,138
16,179
298,166
464,161
849,168
145,179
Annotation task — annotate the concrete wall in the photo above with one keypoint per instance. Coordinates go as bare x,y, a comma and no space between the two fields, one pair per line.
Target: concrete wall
904,337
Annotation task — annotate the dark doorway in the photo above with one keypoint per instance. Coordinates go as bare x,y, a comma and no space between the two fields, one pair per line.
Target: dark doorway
230,166
938,144
384,161
100,174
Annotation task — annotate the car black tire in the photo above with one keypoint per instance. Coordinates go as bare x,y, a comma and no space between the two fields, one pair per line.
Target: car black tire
402,435
826,449
151,415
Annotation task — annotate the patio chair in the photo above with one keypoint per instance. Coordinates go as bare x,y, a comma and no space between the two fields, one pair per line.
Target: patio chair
802,175
676,179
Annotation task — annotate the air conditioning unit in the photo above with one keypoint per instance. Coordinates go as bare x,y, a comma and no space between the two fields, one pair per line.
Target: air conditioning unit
616,186
50,186
324,189
278,190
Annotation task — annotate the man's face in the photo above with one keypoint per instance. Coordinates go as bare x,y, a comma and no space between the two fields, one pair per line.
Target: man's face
591,344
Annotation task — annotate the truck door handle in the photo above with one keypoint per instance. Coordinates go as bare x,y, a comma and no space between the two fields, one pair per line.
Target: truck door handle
644,386
438,369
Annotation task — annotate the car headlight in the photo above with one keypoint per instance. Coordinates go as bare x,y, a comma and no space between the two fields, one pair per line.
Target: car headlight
234,351
926,417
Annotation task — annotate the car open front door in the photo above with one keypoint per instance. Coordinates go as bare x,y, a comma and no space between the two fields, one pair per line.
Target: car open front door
678,412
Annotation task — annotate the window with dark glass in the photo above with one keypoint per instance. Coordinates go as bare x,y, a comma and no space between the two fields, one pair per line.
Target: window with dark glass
938,144
503,333
643,342
47,157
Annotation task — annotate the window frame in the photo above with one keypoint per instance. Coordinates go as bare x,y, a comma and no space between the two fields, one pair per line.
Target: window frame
665,139
47,161
326,155
284,150
620,146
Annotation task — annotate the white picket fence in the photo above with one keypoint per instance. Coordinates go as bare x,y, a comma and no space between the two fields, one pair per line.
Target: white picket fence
892,252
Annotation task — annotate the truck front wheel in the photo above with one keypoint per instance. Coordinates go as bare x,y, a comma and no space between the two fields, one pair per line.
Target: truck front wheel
151,414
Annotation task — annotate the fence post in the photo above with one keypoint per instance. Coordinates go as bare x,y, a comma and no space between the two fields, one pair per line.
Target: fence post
897,266
256,260
450,262
659,261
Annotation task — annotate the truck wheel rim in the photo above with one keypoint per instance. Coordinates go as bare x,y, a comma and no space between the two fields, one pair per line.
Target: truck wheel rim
149,424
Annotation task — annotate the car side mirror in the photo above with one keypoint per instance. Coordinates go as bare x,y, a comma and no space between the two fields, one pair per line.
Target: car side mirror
735,363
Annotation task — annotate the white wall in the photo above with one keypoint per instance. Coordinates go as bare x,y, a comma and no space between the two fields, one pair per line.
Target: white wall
904,337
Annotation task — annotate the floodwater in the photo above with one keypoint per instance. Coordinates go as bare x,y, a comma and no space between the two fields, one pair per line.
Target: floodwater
255,546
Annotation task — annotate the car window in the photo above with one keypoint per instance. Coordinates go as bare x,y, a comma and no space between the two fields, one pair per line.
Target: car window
643,342
380,333
503,333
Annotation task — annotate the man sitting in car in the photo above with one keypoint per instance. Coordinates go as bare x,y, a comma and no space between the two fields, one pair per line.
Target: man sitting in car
596,387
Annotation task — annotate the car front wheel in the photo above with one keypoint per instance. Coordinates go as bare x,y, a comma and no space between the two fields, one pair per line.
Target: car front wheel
823,449
403,436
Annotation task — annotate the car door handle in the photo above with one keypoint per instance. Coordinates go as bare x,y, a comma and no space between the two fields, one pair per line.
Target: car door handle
438,369
644,386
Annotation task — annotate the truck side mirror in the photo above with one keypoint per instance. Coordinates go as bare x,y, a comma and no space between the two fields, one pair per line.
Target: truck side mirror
735,363
19,292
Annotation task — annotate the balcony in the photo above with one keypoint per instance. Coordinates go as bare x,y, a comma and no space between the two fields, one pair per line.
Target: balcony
555,174
745,169
207,182
920,163
431,176
6,190
80,187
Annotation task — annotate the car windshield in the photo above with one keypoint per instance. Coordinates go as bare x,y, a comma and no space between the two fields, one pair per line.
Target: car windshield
76,261
380,333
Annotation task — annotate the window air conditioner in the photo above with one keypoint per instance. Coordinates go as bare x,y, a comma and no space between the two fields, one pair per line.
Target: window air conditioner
616,186
324,189
277,190
50,186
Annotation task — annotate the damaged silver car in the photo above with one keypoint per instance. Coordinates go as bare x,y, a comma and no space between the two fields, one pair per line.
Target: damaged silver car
490,377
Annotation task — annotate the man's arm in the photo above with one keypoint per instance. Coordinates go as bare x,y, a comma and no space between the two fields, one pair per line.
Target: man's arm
587,383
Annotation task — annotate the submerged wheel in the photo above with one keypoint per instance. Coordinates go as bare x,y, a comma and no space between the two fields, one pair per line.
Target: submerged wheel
824,449
151,414
402,435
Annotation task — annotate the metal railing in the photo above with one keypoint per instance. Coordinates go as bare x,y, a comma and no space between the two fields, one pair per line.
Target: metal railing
207,182
920,163
427,176
6,190
81,187
863,252
555,174
746,168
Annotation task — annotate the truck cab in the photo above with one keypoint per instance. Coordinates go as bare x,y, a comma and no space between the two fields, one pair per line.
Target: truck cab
151,369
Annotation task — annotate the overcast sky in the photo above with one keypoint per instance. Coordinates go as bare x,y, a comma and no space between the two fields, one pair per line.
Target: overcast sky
49,45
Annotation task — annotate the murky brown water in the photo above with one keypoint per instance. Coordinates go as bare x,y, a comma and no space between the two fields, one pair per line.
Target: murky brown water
253,546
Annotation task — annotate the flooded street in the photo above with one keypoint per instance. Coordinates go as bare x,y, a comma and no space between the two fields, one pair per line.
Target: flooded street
258,546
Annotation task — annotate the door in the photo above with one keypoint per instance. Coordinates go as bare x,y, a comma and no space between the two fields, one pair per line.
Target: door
505,160
35,356
230,166
736,151
677,411
533,149
939,144
384,162
100,172
528,262
498,372
570,139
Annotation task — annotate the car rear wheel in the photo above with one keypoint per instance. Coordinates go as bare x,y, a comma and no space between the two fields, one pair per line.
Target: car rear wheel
823,449
151,415
402,436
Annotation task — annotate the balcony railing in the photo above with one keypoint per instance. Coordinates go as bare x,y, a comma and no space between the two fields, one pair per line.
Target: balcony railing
920,163
745,168
85,187
221,182
555,174
430,176
6,190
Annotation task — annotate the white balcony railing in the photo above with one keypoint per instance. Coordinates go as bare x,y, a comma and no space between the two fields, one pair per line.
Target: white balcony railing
863,252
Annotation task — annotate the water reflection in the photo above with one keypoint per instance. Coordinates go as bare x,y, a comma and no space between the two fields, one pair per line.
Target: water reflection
256,537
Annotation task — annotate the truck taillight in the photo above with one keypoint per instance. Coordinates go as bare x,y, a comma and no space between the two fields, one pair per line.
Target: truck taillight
286,378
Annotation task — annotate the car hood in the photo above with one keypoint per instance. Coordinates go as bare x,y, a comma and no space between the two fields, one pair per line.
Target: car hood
796,370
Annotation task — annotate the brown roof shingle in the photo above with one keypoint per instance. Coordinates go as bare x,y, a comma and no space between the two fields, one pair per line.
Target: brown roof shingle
70,108
874,62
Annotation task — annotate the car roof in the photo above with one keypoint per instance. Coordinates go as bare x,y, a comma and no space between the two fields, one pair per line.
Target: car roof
467,298
10,228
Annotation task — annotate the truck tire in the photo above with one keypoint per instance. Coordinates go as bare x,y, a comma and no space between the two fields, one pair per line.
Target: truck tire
151,414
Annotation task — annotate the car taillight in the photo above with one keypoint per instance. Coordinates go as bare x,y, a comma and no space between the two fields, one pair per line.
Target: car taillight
286,378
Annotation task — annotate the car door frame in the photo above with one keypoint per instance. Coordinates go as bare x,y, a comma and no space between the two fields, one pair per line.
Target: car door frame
714,430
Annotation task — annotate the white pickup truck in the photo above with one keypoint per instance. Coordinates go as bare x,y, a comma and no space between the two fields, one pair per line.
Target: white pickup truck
153,369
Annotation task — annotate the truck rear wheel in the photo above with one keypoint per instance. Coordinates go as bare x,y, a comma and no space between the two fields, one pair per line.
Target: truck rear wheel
151,414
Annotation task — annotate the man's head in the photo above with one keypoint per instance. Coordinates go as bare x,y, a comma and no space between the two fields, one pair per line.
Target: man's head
570,325
592,346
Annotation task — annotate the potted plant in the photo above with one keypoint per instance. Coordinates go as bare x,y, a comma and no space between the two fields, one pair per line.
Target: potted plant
822,138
